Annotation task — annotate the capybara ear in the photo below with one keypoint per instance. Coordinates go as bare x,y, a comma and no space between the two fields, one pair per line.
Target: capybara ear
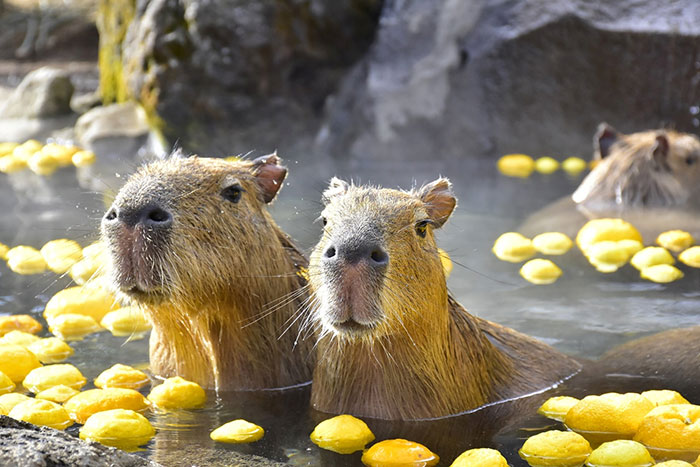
605,137
269,174
660,151
336,187
439,200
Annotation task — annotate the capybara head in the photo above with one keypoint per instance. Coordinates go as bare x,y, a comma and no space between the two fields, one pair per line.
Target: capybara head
377,260
645,169
184,229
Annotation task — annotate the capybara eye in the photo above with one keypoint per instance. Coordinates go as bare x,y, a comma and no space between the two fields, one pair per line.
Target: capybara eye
422,228
232,193
690,160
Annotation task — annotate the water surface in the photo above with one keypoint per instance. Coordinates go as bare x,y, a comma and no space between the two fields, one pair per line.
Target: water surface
584,314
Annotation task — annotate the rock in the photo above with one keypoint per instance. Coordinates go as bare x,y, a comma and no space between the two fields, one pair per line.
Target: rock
23,444
81,103
235,74
125,119
454,79
43,93
117,130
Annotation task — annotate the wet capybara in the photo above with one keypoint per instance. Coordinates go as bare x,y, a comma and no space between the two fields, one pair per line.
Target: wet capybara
192,242
393,343
650,168
650,178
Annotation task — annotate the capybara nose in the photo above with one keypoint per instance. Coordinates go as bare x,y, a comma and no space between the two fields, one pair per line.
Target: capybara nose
150,215
371,253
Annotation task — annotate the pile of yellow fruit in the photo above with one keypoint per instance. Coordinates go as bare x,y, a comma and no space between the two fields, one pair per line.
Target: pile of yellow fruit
111,414
522,165
42,159
60,256
631,430
608,244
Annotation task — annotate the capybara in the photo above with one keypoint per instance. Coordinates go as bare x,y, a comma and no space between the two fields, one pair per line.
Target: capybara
650,178
650,168
192,242
393,343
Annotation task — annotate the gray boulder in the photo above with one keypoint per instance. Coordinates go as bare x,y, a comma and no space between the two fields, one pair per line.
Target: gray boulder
228,75
455,78
43,93
25,445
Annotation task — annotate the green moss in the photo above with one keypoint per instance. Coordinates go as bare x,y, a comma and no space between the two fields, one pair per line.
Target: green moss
113,19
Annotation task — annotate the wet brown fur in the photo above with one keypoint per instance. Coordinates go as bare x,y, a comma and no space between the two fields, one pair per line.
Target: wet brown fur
427,357
646,169
220,312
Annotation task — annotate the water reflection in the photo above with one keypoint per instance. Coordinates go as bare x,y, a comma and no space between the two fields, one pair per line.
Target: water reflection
574,315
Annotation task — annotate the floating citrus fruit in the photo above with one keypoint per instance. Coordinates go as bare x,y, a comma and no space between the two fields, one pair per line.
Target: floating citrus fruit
607,256
552,243
3,251
10,400
121,428
555,448
26,260
343,434
540,271
482,457
19,323
16,361
25,150
513,247
10,164
651,256
446,262
178,393
42,164
59,153
673,463
516,165
83,158
661,273
50,350
617,415
59,394
126,321
664,397
49,376
607,229
690,257
73,326
89,402
122,376
399,452
237,431
546,165
620,453
574,165
41,412
88,301
61,254
6,384
21,338
557,407
675,240
674,426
